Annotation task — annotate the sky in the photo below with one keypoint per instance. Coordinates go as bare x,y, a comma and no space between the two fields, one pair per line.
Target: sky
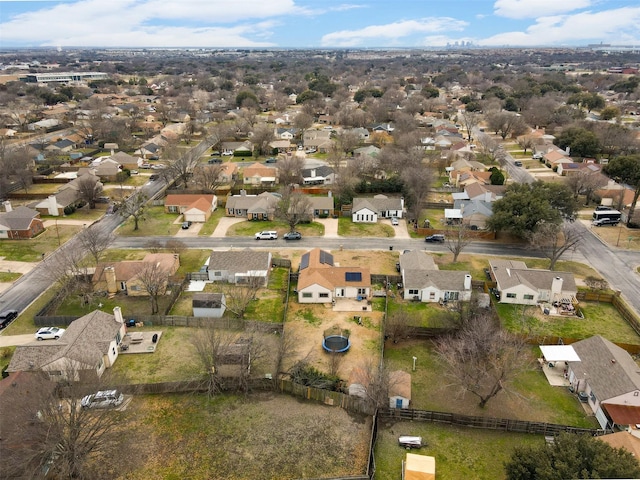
317,24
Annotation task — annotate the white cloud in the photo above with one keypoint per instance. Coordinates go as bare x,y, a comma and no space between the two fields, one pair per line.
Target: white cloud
612,26
147,23
391,32
537,8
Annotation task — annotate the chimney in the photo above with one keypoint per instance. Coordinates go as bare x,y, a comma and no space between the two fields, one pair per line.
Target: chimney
329,194
110,277
568,150
52,206
243,193
313,172
487,196
117,313
7,206
556,285
467,282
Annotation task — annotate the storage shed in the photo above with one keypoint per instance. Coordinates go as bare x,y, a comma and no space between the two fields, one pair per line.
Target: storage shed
418,467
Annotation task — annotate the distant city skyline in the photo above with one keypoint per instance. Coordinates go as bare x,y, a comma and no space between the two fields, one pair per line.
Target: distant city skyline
317,24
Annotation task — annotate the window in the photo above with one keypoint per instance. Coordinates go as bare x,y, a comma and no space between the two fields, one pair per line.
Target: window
511,295
432,295
362,291
413,292
307,295
324,295
528,297
217,274
452,295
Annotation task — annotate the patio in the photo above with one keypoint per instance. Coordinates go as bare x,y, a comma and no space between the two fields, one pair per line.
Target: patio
140,342
555,363
351,305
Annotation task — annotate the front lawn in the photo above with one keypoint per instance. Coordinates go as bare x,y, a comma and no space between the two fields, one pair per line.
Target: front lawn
249,229
155,222
31,250
348,228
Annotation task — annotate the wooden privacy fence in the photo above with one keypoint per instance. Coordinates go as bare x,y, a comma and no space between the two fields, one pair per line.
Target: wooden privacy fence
350,403
486,423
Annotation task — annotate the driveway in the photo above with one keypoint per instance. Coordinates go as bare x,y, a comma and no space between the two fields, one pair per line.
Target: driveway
330,227
13,340
224,224
400,229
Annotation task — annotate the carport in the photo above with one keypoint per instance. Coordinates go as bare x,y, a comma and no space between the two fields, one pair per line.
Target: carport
555,362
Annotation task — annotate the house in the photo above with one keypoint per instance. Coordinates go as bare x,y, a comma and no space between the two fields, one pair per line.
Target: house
87,348
64,146
609,377
128,162
66,196
321,206
520,285
555,156
252,207
418,467
321,175
193,207
239,266
286,133
399,389
228,172
362,133
20,223
474,213
241,148
107,169
566,169
318,139
259,174
487,193
320,281
124,276
424,282
367,210
370,152
211,305
282,146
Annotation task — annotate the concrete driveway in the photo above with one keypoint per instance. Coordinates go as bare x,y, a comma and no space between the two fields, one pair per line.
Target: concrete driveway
224,224
330,227
13,340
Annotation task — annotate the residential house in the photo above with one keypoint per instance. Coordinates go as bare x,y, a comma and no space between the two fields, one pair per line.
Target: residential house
318,139
321,175
321,206
128,162
367,210
209,305
124,276
20,223
43,124
422,280
259,174
362,133
481,191
107,169
282,146
232,148
520,285
228,172
382,127
320,281
194,207
252,207
61,146
474,213
286,133
465,178
239,266
567,169
67,195
399,389
87,348
609,377
556,156
370,152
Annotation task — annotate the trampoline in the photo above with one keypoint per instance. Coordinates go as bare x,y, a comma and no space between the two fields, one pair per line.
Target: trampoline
336,340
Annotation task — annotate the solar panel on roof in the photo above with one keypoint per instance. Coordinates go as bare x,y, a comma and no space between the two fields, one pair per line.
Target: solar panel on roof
326,258
353,276
304,261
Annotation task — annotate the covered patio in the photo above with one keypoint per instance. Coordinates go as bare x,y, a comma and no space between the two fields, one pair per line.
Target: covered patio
554,363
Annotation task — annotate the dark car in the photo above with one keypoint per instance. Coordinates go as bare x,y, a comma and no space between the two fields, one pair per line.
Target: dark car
186,225
214,160
6,317
438,238
271,160
292,236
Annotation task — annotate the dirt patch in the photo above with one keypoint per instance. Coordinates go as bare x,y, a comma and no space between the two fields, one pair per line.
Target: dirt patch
307,323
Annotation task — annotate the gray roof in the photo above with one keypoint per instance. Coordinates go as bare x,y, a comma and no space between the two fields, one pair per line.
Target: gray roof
417,260
451,280
510,273
263,203
207,300
18,219
379,203
471,207
239,260
321,203
321,171
86,340
609,370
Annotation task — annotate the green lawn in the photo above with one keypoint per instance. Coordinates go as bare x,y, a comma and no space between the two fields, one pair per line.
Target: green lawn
600,319
31,250
211,224
249,229
348,228
155,222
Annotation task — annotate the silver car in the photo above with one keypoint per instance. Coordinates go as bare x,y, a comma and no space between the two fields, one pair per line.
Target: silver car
102,399
49,333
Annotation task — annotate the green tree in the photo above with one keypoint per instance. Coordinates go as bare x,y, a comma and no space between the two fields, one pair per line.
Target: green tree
497,177
307,95
572,456
610,112
626,169
429,91
246,96
581,142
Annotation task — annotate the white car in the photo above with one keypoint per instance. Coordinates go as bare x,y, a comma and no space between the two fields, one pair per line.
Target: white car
267,235
49,333
102,399
394,221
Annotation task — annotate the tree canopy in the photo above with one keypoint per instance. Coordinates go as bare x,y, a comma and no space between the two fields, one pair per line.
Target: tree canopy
525,206
626,169
580,141
572,456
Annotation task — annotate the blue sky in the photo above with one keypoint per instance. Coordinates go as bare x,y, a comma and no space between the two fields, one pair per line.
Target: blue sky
317,24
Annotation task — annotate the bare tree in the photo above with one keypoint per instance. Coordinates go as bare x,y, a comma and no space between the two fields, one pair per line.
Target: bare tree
95,242
134,207
89,188
56,434
376,382
263,135
209,343
290,170
481,358
293,208
208,177
487,145
458,239
70,271
154,246
181,168
347,141
506,124
553,240
397,325
526,142
470,120
303,121
585,182
153,278
175,246
418,181
239,296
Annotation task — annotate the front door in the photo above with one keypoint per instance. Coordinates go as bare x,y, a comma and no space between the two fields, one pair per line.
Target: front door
398,403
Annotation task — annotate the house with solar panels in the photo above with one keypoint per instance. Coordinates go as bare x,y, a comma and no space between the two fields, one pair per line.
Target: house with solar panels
321,281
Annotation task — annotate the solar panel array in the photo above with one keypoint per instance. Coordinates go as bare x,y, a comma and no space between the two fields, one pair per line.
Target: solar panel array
304,261
353,276
326,258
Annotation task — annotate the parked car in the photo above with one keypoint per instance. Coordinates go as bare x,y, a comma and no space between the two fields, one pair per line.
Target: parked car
154,177
227,153
310,150
49,333
292,236
517,163
214,160
267,235
6,317
537,156
271,160
438,238
186,225
102,399
146,165
394,221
